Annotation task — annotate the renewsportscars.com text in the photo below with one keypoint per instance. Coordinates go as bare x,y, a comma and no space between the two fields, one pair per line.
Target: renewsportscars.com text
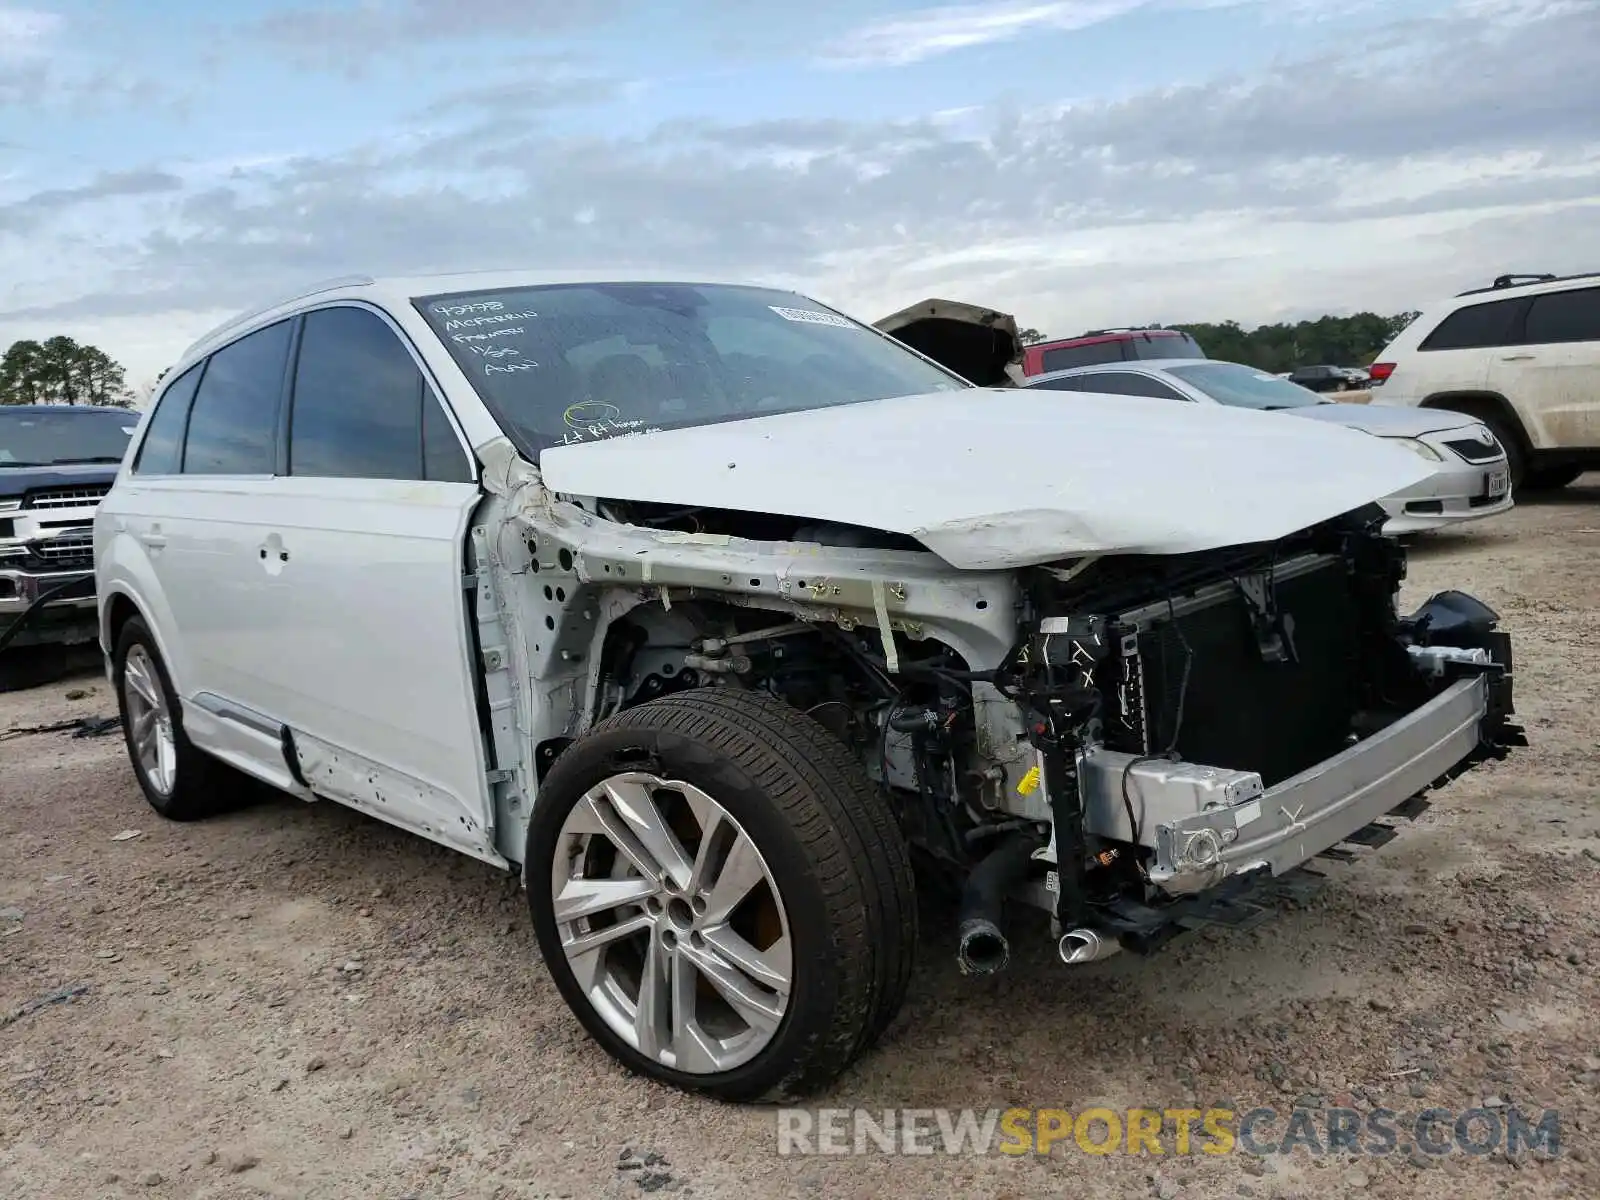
1165,1131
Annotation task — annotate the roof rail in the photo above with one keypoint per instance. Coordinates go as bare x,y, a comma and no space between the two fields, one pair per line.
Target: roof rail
326,285
1514,281
1127,329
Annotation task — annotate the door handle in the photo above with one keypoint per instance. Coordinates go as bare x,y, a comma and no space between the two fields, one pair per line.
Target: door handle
1516,358
153,540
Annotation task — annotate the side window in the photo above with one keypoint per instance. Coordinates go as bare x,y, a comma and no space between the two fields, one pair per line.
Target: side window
1564,317
442,456
1082,356
1126,383
161,452
1477,327
357,400
1067,383
234,424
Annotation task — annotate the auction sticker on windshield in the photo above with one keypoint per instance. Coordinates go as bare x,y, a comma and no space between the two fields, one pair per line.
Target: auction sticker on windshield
807,316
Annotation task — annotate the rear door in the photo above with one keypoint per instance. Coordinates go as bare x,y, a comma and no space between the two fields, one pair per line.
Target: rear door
362,645
1553,376
1461,353
187,510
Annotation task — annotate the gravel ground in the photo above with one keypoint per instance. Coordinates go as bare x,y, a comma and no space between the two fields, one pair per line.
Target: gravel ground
299,1002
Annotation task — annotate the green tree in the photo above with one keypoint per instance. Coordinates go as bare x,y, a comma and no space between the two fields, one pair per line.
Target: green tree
1029,336
1338,341
60,370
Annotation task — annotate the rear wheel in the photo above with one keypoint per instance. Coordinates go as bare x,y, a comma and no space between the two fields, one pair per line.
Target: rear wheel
721,896
179,781
1551,478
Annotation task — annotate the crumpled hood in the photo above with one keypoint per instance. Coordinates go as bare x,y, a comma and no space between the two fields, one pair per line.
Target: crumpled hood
1385,422
990,478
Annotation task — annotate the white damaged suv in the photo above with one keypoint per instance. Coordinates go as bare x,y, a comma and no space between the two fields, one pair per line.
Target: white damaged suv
711,610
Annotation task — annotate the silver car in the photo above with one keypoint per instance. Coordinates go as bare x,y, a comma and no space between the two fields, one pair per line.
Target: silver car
1470,477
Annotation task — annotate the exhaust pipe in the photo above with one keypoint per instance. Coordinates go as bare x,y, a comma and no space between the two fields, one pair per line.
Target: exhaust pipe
1079,946
981,946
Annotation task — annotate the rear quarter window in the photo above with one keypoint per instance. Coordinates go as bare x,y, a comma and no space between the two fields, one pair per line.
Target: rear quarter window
1478,326
233,426
1564,317
161,451
1166,346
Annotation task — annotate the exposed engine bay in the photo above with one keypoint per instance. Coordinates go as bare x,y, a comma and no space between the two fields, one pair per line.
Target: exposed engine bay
1153,714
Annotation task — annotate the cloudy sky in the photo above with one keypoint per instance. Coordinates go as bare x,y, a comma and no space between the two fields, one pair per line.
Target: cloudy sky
164,163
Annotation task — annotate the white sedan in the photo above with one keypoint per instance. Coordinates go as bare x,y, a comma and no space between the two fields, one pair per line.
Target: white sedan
1470,477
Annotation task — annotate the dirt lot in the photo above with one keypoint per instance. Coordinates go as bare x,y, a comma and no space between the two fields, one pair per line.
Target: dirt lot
299,1002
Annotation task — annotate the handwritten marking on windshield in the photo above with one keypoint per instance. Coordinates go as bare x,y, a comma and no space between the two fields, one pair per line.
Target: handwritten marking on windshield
509,368
586,413
605,428
509,331
461,310
487,319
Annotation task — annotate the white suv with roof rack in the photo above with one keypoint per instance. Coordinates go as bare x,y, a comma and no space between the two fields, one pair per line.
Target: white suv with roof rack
1523,355
702,607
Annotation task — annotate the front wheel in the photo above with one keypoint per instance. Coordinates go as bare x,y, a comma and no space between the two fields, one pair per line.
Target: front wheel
721,896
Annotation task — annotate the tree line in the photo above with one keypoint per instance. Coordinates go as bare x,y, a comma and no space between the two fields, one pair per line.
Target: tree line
1352,341
60,370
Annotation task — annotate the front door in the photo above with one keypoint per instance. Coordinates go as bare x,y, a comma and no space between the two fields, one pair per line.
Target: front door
362,646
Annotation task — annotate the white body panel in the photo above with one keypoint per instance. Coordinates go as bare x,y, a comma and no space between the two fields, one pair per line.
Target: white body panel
331,606
1556,390
1043,479
1455,489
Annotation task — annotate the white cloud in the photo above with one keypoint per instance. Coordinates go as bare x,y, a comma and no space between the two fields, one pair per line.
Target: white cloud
23,31
929,32
934,31
1288,194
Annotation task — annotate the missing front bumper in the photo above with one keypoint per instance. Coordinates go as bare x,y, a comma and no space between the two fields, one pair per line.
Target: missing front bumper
1206,824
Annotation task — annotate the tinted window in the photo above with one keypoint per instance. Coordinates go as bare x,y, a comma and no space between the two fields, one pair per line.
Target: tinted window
1165,345
571,363
357,400
442,456
1067,383
1477,326
233,428
1126,383
1564,317
161,452
1063,357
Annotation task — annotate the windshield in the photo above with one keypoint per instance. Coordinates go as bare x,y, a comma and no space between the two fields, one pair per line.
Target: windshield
1244,387
563,364
42,439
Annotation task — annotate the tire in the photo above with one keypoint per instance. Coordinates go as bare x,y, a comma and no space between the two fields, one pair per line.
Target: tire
1511,441
836,895
185,787
1551,479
